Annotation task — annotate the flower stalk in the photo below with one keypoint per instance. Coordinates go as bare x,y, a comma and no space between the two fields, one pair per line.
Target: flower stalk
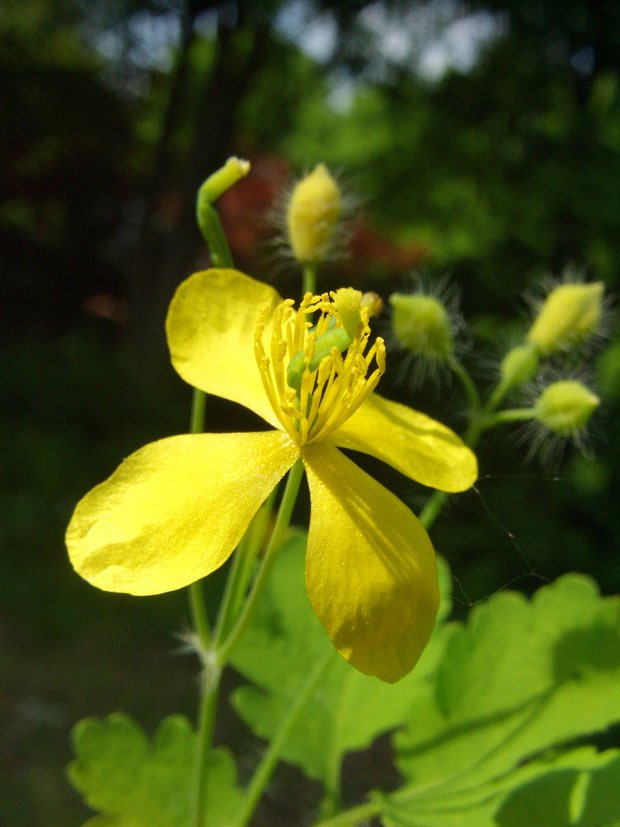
268,763
289,497
207,216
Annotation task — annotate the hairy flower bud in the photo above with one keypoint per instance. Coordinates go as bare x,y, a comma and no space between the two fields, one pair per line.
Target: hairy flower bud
421,325
570,314
312,215
565,407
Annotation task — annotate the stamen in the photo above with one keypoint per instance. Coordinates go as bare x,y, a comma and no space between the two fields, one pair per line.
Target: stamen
317,376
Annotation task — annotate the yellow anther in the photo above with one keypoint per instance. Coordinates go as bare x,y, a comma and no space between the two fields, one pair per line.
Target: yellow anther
330,368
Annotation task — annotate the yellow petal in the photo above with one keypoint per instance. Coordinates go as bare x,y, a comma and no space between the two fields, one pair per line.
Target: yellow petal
411,442
210,329
174,511
370,567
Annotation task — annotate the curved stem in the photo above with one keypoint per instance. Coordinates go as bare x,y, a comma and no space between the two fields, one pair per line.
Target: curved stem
211,229
207,216
263,773
497,395
470,389
282,520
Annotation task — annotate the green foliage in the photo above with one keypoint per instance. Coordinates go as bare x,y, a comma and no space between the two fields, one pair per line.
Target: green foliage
348,710
577,787
134,783
487,743
494,712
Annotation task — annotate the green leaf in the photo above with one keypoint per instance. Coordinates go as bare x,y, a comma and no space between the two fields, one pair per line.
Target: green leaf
521,679
348,710
578,788
135,783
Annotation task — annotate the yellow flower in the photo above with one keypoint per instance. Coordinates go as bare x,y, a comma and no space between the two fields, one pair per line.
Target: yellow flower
174,511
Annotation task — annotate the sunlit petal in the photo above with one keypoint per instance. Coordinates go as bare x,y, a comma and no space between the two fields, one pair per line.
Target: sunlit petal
175,510
411,442
370,567
210,328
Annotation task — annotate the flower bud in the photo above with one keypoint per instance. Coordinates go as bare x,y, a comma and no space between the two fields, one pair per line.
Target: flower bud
421,325
565,407
312,215
570,314
224,178
519,365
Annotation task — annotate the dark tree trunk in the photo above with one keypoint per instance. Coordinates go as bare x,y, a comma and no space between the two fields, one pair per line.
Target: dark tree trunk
171,245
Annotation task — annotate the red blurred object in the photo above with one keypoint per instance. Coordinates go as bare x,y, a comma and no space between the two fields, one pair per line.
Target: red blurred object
372,253
106,306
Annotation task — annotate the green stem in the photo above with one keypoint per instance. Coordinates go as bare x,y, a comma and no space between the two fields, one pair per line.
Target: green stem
197,604
510,415
332,776
206,214
263,773
210,680
206,723
470,389
211,229
200,619
226,613
197,417
282,520
239,574
498,394
309,279
256,537
433,508
478,425
355,815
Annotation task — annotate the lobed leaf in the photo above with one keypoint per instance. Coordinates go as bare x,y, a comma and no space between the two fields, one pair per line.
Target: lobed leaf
516,685
135,783
577,788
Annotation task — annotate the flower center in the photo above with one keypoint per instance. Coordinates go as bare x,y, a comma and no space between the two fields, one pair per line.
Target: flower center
319,366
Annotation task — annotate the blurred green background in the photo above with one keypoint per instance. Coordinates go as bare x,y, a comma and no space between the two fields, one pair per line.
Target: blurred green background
480,140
